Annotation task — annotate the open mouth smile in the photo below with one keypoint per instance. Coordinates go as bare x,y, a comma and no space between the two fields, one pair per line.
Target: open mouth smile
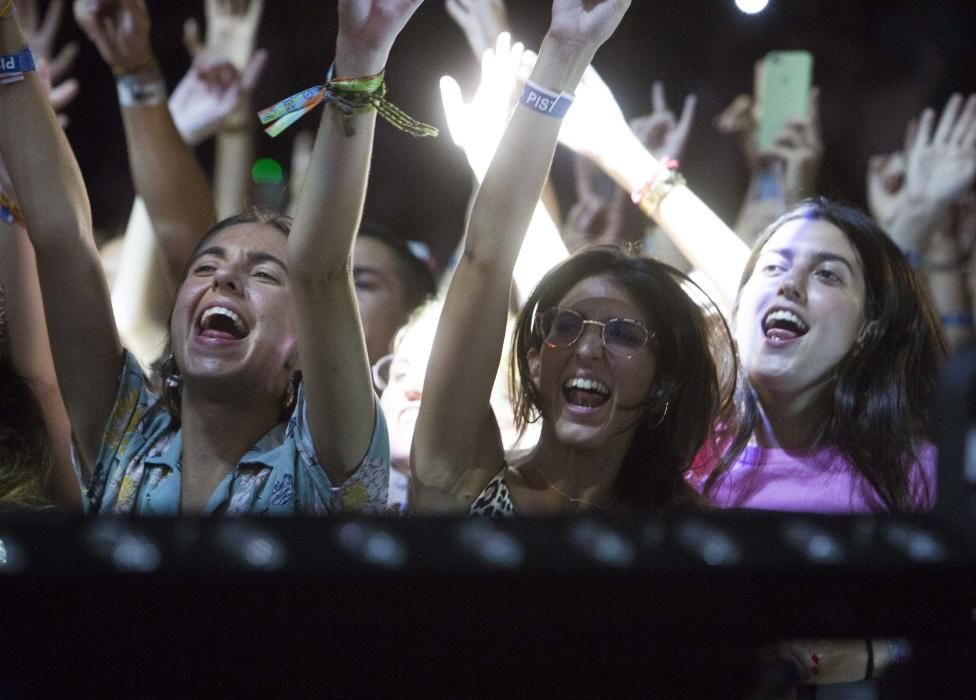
780,326
585,393
222,323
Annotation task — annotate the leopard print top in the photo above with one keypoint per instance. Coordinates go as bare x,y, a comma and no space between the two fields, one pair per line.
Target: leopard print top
495,501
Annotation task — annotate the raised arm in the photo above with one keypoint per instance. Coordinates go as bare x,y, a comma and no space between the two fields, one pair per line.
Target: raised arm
232,29
477,128
166,173
596,128
456,448
335,369
51,194
940,168
781,176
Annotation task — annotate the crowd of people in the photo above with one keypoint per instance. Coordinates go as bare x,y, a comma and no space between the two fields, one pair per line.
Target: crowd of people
635,355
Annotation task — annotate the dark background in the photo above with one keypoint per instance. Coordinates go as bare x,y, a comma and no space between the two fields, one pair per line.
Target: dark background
877,63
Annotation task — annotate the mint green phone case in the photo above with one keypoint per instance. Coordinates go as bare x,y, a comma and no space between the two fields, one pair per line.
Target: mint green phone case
782,92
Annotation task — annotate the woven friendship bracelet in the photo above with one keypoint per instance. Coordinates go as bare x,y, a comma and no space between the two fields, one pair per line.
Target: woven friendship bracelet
350,96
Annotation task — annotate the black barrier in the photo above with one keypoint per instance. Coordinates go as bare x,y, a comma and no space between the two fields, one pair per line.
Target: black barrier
673,607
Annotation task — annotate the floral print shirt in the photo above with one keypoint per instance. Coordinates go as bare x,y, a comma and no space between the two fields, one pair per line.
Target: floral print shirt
138,467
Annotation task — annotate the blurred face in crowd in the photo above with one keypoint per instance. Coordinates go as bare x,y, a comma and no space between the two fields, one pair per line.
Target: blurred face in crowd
379,293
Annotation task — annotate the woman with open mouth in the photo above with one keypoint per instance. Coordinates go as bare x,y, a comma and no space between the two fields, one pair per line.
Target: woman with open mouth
268,403
612,356
840,351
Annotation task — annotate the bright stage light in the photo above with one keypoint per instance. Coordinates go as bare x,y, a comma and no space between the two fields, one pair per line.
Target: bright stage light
751,7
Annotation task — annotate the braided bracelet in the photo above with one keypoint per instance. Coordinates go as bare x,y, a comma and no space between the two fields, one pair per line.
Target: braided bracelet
351,96
649,196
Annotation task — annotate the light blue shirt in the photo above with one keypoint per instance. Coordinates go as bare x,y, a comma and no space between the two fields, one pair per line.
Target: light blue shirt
138,468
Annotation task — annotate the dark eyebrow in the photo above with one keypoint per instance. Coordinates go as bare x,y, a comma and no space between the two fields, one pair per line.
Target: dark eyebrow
818,257
252,256
214,250
258,256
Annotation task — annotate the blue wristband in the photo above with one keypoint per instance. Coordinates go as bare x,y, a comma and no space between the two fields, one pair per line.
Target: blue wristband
21,62
961,319
543,101
7,215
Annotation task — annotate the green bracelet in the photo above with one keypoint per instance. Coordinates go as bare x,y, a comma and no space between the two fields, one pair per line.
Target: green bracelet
351,96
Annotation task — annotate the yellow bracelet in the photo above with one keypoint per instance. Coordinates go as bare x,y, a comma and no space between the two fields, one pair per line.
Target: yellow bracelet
649,196
7,9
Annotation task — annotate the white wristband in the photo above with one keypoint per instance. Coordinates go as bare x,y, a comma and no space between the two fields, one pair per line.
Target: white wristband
135,92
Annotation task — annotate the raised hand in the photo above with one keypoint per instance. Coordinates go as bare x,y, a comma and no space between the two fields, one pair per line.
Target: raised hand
481,20
886,186
367,30
41,33
941,165
210,92
61,94
662,134
587,22
232,28
120,31
796,154
739,120
799,150
477,127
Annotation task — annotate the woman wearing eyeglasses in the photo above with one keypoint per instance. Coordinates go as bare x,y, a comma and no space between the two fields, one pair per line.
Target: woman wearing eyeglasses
609,353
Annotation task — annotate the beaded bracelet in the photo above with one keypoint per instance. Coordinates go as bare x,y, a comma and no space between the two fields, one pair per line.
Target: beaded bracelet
351,96
649,196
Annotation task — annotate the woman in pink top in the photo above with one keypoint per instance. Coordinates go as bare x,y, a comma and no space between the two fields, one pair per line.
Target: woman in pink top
840,349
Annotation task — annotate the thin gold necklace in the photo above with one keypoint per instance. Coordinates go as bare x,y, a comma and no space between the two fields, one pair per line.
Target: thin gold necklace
566,496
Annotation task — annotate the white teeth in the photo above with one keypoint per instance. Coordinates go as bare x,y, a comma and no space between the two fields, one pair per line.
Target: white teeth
587,385
223,311
787,316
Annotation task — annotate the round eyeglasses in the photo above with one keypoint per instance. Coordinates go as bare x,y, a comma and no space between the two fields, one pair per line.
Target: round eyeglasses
623,337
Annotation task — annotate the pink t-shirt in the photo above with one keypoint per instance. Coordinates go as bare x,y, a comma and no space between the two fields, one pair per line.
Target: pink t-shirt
819,481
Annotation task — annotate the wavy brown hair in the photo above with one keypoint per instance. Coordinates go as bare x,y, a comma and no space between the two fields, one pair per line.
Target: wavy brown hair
694,385
883,386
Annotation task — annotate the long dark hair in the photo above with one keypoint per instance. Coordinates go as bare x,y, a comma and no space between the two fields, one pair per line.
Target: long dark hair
689,382
166,375
883,386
